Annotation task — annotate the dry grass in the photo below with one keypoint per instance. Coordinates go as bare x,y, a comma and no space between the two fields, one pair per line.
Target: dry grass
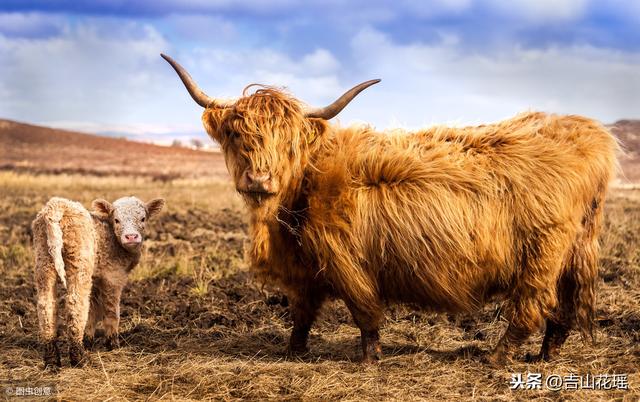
196,326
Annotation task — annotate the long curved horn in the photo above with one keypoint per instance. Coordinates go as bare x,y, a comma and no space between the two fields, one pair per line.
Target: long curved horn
196,93
331,111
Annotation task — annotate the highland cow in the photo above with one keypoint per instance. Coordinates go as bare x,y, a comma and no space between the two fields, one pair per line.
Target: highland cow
91,254
448,219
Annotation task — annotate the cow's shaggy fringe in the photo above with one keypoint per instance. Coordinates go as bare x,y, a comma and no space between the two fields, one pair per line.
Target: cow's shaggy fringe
444,218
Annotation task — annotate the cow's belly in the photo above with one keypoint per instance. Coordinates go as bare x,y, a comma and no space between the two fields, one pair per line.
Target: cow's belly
454,288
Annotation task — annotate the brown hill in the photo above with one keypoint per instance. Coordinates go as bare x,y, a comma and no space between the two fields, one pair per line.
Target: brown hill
628,132
25,147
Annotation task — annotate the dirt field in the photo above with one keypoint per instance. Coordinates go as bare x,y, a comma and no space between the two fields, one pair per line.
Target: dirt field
196,326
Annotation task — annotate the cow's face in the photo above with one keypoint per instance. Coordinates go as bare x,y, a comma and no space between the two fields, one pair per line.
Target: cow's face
265,138
128,217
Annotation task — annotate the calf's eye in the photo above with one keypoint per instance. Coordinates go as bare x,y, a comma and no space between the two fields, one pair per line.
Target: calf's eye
143,219
117,220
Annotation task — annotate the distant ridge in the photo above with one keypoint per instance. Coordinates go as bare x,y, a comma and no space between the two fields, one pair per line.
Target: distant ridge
628,132
27,147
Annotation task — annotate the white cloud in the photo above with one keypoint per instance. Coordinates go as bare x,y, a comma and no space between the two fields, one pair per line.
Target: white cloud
80,73
424,84
106,76
225,72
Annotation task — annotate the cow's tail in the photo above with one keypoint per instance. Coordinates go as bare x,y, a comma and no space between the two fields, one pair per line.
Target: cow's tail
583,271
54,242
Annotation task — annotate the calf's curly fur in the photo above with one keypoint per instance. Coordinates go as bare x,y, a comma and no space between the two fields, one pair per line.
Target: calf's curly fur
90,255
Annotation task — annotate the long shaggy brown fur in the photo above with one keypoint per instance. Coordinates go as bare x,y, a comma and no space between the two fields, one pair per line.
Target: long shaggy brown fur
444,218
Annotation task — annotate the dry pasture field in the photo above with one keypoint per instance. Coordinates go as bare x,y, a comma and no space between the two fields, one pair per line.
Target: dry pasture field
195,325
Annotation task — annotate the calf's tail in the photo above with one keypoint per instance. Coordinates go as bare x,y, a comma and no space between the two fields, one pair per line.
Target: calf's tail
54,242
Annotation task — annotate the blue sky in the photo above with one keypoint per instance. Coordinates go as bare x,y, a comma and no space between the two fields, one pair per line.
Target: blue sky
95,66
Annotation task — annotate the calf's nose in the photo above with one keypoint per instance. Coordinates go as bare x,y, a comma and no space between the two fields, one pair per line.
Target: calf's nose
131,236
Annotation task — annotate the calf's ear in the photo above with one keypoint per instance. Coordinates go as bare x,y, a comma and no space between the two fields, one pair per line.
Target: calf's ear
102,207
154,207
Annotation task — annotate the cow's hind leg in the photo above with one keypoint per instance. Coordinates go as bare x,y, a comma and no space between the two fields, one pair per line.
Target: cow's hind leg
560,322
535,296
304,309
576,289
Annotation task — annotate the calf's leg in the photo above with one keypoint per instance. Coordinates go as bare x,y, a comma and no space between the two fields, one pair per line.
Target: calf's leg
96,315
111,305
78,301
46,276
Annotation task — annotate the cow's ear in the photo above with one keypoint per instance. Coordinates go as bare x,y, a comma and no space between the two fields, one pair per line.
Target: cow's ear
154,207
317,129
102,207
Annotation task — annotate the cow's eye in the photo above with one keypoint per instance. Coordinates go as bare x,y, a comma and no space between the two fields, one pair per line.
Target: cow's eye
143,218
117,220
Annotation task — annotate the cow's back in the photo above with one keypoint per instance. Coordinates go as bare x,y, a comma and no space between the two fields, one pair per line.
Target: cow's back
439,217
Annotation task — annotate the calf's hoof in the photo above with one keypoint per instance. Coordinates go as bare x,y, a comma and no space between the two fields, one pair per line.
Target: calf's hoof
51,355
88,342
112,342
77,355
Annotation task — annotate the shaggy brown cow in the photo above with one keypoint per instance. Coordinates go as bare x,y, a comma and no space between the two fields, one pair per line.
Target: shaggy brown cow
445,218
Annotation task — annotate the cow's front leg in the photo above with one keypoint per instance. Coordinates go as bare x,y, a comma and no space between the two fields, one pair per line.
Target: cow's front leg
368,320
304,308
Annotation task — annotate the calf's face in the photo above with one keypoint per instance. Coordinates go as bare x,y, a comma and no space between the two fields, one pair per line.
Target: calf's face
128,217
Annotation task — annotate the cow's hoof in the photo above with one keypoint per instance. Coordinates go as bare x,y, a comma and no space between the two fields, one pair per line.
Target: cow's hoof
495,360
537,358
370,360
297,351
51,355
373,354
77,356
